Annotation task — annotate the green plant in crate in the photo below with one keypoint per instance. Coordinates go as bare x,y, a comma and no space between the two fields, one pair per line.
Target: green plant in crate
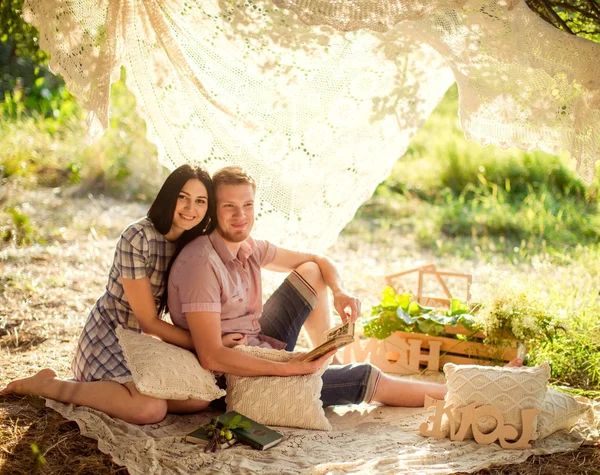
399,312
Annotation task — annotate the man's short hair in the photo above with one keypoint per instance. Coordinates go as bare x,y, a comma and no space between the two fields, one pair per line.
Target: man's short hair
233,175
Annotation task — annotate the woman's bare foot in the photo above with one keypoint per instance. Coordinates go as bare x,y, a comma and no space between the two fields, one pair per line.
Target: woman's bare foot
32,386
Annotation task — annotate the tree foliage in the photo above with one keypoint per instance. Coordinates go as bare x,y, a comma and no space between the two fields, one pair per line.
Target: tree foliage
577,17
26,84
18,38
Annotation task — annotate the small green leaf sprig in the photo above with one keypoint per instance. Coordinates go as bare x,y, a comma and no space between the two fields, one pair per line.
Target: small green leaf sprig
222,432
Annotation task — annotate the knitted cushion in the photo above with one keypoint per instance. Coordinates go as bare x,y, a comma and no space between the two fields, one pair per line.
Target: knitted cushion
508,389
291,401
166,371
559,411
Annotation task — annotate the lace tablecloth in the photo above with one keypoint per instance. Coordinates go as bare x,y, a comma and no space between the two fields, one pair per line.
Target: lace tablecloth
364,439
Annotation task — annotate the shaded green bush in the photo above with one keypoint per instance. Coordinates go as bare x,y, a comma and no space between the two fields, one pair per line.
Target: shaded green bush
52,151
532,200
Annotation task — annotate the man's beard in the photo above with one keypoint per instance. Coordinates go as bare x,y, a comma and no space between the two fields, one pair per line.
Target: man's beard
235,238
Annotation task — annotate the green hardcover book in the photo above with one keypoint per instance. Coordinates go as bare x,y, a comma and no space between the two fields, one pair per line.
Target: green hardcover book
199,436
258,436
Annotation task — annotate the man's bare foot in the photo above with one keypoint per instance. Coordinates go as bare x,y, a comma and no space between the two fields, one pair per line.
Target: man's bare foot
516,363
32,386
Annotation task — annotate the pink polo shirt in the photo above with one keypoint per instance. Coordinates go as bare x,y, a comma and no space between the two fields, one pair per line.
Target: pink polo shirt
206,277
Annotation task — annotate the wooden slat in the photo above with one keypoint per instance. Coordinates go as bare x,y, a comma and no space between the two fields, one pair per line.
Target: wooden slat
463,360
442,283
390,277
449,345
459,347
439,274
433,301
461,330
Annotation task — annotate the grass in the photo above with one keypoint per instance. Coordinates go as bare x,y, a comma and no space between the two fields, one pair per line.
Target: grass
36,439
47,291
460,197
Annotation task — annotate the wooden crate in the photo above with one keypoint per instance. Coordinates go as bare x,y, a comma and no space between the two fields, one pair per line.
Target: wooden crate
411,353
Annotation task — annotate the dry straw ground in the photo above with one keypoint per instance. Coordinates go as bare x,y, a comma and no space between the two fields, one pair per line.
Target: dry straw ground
46,291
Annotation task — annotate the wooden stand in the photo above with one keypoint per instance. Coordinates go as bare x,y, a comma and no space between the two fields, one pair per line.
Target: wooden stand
430,270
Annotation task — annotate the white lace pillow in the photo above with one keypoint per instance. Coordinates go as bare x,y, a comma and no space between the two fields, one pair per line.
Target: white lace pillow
508,389
291,401
166,371
559,411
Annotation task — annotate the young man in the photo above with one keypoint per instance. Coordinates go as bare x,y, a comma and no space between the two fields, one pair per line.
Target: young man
215,289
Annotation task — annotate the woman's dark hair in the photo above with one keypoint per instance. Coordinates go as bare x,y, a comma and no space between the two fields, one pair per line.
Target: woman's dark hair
163,209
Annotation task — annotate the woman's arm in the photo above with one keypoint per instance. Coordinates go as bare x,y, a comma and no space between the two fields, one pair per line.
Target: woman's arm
205,328
138,293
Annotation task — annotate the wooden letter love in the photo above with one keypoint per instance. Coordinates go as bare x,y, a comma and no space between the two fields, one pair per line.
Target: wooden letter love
469,415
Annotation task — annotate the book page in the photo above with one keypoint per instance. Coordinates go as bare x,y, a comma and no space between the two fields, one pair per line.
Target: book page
339,330
337,337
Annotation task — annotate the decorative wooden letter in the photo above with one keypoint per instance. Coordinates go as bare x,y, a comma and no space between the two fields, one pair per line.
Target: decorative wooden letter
468,417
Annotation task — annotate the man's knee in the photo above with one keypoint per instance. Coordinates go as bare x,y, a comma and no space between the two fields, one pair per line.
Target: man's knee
311,272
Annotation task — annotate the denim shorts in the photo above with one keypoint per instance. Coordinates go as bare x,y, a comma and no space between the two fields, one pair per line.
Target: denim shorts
283,315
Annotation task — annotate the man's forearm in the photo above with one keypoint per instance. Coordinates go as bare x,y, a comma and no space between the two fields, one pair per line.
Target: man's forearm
230,361
347,306
329,272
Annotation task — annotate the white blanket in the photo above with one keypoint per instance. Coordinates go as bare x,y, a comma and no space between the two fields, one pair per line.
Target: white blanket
365,439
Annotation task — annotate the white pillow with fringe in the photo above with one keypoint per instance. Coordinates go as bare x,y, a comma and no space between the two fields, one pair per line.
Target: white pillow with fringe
290,401
166,371
509,389
559,411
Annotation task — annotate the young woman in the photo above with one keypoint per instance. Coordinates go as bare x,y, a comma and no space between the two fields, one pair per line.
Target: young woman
182,210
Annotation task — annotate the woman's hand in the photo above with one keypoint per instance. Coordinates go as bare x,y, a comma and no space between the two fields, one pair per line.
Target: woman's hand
234,339
295,366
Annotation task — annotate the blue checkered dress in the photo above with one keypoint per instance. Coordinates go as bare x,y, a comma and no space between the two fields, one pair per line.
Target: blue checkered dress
141,252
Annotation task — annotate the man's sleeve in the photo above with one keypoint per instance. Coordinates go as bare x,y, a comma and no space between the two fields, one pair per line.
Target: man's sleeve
199,287
265,252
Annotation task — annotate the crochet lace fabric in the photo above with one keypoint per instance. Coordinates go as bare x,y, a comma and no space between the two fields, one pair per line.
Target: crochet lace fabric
319,98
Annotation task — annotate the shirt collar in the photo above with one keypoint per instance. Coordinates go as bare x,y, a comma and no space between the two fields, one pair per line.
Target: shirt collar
223,251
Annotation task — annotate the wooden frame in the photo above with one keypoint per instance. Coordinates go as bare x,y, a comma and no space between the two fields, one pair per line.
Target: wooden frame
430,269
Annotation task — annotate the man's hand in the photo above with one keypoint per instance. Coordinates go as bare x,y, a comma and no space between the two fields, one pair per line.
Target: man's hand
234,339
346,305
295,366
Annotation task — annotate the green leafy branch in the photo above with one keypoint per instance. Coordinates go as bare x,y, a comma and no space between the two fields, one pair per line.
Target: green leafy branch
221,432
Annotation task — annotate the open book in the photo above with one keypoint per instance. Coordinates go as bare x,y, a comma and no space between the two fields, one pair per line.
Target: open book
335,338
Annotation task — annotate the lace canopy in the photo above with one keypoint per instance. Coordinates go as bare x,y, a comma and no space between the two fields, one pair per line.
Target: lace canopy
319,98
